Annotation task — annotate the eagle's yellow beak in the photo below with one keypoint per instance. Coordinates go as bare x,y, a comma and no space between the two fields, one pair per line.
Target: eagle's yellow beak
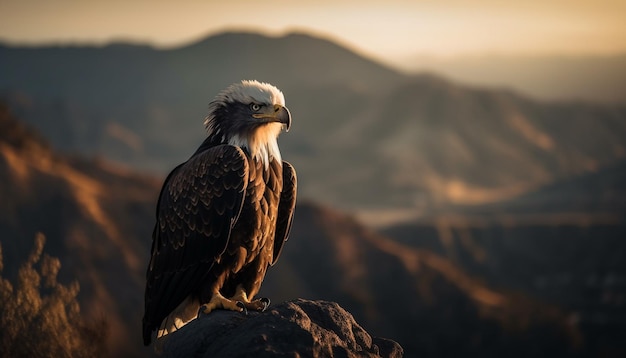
278,114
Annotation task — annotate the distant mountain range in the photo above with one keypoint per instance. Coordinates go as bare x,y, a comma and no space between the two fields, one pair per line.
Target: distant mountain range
597,78
601,192
98,219
364,136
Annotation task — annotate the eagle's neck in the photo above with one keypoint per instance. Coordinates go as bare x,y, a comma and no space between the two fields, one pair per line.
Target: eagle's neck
261,144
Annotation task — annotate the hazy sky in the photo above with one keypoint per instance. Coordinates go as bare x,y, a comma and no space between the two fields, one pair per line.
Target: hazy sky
385,29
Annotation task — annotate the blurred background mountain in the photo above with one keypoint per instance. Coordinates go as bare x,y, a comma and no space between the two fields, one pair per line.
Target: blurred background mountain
414,142
457,214
597,78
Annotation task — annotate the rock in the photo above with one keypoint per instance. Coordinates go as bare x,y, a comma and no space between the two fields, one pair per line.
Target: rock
299,328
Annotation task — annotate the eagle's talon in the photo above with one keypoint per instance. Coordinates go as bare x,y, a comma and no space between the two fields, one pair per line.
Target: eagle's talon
243,307
266,303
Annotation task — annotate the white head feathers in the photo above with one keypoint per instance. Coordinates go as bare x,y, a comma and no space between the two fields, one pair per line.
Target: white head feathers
262,143
251,91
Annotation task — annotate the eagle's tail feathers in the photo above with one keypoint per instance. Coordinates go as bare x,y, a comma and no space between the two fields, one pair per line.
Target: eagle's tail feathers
183,314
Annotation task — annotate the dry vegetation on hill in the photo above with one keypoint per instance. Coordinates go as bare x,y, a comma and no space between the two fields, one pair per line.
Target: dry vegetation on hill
40,317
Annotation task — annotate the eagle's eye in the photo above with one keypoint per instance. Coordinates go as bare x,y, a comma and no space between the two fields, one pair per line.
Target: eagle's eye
255,106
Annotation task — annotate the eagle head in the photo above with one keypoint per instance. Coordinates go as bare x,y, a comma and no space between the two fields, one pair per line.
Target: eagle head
250,115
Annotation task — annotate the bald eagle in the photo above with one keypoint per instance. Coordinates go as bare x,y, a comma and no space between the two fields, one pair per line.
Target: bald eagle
223,215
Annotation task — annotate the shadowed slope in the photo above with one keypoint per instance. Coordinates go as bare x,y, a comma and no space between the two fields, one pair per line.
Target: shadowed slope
97,219
421,299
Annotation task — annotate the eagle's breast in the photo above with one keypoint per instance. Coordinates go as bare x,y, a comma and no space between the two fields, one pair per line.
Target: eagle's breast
253,235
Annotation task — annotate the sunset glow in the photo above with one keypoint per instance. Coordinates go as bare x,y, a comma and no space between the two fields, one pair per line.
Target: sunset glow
387,30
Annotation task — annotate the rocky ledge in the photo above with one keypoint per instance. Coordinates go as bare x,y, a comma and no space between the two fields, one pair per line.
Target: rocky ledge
299,328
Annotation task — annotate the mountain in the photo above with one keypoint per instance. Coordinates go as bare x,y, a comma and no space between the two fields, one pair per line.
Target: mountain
597,78
598,192
562,244
98,220
417,297
364,136
436,143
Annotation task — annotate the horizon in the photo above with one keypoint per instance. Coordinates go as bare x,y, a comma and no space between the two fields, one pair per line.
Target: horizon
564,49
412,63
593,77
389,32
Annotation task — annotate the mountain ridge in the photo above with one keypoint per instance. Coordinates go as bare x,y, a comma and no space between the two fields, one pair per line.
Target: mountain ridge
415,141
558,77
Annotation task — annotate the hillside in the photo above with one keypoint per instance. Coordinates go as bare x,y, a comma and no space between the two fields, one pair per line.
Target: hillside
598,78
595,192
364,136
562,243
98,221
415,296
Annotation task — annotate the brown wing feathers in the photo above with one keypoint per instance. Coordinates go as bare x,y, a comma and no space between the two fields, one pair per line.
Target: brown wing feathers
286,209
198,206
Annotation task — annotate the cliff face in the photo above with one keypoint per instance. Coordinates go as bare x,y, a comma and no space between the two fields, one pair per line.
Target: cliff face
299,328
